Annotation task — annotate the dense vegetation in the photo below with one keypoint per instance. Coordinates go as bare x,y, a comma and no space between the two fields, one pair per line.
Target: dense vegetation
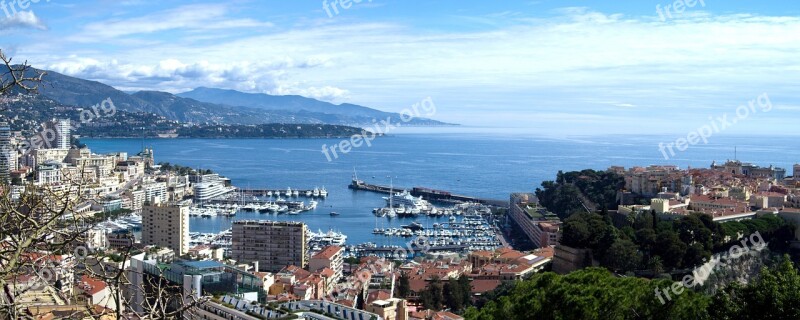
650,246
595,293
453,294
573,190
182,170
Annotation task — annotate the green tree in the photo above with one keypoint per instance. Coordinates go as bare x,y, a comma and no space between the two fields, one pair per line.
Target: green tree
775,295
622,256
403,285
453,295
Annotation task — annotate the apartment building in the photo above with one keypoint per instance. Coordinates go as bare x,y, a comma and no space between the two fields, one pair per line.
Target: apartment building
155,192
166,225
274,244
541,228
330,257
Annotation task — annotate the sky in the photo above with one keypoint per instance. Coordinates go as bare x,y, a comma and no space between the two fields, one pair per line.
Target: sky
565,67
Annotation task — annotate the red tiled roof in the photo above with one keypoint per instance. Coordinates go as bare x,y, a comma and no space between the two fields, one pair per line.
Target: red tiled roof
327,253
481,286
327,272
378,295
91,285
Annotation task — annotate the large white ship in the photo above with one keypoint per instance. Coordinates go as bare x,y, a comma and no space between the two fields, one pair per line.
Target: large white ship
406,200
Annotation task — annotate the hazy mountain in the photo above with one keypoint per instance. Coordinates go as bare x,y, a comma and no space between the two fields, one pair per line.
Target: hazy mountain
205,105
294,103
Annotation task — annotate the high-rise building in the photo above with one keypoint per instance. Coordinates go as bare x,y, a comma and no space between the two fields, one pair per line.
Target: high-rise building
8,161
166,225
273,244
62,134
56,135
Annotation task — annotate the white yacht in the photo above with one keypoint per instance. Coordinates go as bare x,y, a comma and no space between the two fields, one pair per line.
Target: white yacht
315,192
312,205
296,193
405,198
308,193
323,193
288,192
269,194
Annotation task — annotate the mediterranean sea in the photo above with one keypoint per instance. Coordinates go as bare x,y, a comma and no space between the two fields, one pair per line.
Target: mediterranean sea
476,162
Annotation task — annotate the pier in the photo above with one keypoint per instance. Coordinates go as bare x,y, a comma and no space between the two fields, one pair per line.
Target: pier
426,193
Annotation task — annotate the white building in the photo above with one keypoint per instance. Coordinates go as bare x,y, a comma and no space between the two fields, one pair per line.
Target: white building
166,225
155,192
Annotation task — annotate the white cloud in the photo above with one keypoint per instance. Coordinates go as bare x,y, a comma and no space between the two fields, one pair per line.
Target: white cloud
579,60
190,18
22,20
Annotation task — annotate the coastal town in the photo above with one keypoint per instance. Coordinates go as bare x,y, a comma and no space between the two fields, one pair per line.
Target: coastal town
135,215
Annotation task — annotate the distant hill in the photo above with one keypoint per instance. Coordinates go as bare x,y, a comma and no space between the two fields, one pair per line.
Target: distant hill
294,103
215,106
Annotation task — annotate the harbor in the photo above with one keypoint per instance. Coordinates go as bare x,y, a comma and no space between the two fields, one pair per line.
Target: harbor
426,193
288,192
397,220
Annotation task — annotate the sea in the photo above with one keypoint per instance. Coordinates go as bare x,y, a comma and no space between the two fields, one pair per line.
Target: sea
477,162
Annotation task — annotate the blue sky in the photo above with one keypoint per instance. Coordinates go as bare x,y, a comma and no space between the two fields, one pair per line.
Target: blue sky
564,67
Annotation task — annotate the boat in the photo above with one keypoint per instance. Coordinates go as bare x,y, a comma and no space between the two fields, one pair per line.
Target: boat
327,238
405,198
414,226
269,194
315,192
308,193
312,205
323,193
334,213
288,192
294,212
295,193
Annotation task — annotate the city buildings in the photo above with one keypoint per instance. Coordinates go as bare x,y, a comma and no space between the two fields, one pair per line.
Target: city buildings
57,134
330,257
389,309
274,245
8,159
166,225
538,225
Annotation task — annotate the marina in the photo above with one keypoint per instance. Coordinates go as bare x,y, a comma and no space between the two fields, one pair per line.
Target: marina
288,192
426,193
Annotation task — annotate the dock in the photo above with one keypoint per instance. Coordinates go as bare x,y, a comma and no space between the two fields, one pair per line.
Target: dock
426,193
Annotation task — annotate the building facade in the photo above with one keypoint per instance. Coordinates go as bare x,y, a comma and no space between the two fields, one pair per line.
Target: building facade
274,245
166,225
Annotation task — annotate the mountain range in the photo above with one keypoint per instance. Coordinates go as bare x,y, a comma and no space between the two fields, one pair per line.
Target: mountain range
217,106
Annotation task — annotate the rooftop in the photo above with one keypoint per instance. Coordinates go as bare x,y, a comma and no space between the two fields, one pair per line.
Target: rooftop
327,253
